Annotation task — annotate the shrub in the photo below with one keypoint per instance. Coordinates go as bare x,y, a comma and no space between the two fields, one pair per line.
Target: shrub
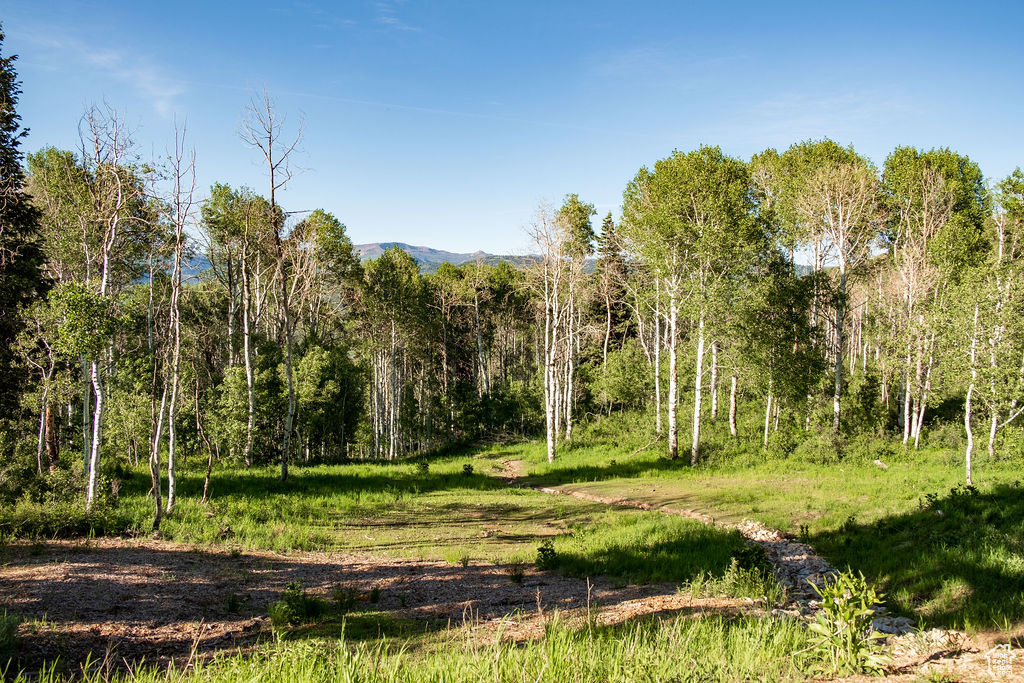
296,606
547,558
8,632
843,624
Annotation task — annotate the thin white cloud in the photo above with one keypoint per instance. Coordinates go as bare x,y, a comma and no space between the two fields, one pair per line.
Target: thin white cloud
387,16
138,72
793,116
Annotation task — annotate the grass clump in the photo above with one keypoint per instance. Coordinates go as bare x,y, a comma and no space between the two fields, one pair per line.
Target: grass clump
296,606
738,581
8,632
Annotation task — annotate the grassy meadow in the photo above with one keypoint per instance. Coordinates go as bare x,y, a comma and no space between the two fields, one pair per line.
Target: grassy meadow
944,554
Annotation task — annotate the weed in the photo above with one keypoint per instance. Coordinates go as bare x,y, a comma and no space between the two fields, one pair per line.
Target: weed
516,570
738,581
345,598
296,607
233,603
8,631
547,558
375,595
467,470
423,467
843,624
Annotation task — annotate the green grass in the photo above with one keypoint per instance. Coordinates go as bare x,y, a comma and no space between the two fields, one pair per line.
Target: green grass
398,509
957,560
962,568
679,649
646,548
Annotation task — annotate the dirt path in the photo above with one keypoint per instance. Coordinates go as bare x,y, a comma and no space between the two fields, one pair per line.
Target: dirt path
159,600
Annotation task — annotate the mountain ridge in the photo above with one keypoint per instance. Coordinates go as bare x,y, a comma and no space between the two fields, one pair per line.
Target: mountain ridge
429,258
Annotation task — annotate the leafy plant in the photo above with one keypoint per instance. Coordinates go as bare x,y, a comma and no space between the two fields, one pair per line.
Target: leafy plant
295,606
547,558
843,625
467,469
8,631
345,597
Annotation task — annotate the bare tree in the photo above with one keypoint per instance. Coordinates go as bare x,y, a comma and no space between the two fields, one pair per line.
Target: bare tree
183,174
263,128
841,199
106,149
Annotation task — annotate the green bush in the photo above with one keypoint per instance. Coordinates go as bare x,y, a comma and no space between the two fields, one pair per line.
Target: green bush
820,448
8,632
843,625
547,558
296,606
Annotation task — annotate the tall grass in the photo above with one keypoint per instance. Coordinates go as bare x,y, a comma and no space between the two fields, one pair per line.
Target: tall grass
681,649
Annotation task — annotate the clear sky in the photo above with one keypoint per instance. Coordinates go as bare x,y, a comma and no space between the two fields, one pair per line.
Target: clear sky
445,123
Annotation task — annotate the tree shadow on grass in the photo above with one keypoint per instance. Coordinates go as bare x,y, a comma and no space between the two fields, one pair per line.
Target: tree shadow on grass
956,561
616,468
320,481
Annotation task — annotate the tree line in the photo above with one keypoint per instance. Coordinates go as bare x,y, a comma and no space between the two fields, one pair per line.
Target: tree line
144,325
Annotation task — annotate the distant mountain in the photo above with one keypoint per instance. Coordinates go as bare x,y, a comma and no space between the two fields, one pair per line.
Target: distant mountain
429,259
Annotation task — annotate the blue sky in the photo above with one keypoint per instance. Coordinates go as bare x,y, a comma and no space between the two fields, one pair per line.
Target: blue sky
446,123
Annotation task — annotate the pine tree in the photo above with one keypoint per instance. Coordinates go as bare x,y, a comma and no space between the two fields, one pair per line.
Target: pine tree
21,257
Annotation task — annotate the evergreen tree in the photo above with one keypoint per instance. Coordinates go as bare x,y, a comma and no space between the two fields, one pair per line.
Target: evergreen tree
21,258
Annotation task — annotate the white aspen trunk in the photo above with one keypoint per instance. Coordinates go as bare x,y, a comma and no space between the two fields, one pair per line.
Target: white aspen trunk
97,435
697,386
906,406
549,364
250,379
42,429
392,417
657,362
992,434
86,419
970,433
232,310
714,380
767,414
154,460
840,311
967,400
732,406
919,383
924,392
673,382
289,417
480,344
607,328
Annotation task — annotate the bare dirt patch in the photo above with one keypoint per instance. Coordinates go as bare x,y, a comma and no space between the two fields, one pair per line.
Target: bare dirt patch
159,601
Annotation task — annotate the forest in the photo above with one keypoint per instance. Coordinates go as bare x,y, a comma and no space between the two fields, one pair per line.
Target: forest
163,344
